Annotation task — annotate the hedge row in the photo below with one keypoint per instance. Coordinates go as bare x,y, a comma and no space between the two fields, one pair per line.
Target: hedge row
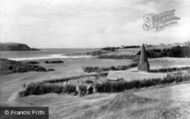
105,87
108,87
112,68
44,88
54,62
33,62
163,70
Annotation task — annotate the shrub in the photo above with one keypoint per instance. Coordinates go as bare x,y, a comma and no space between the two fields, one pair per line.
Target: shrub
54,62
51,69
33,62
83,89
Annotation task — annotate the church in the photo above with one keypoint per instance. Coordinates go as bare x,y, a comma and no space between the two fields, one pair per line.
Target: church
140,72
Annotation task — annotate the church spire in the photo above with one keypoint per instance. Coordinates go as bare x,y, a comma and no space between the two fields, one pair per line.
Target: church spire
143,63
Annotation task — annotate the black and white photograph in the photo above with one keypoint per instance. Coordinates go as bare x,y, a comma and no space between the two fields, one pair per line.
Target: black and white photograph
94,59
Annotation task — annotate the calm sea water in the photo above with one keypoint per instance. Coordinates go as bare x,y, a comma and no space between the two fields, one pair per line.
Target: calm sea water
45,54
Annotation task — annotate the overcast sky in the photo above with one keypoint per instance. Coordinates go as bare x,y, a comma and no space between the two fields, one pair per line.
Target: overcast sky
88,23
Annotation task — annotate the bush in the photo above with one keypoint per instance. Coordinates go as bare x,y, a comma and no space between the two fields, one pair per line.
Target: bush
110,48
33,62
54,62
83,89
51,69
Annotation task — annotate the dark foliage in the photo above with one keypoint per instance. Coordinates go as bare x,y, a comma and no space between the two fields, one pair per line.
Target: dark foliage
177,51
110,48
19,67
163,70
89,81
133,46
51,69
54,62
83,89
33,62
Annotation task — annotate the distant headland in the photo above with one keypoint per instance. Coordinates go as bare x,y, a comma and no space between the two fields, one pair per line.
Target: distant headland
15,47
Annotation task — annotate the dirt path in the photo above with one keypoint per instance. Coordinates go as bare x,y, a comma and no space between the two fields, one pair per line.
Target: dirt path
12,98
11,84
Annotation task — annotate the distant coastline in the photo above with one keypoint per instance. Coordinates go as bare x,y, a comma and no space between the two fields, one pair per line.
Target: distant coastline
16,47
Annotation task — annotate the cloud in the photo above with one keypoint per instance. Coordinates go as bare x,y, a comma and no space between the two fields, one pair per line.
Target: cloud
89,23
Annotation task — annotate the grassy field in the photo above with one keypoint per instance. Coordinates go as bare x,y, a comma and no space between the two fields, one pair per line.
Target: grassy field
127,105
169,62
174,93
130,105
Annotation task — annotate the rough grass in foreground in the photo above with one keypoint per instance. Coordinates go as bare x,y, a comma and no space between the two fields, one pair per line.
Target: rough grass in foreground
130,106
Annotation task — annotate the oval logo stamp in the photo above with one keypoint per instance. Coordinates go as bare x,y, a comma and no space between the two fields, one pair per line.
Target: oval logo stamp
160,21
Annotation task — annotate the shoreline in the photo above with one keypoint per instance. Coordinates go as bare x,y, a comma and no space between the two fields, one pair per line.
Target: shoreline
56,56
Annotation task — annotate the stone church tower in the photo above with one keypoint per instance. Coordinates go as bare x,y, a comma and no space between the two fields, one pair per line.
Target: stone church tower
143,62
